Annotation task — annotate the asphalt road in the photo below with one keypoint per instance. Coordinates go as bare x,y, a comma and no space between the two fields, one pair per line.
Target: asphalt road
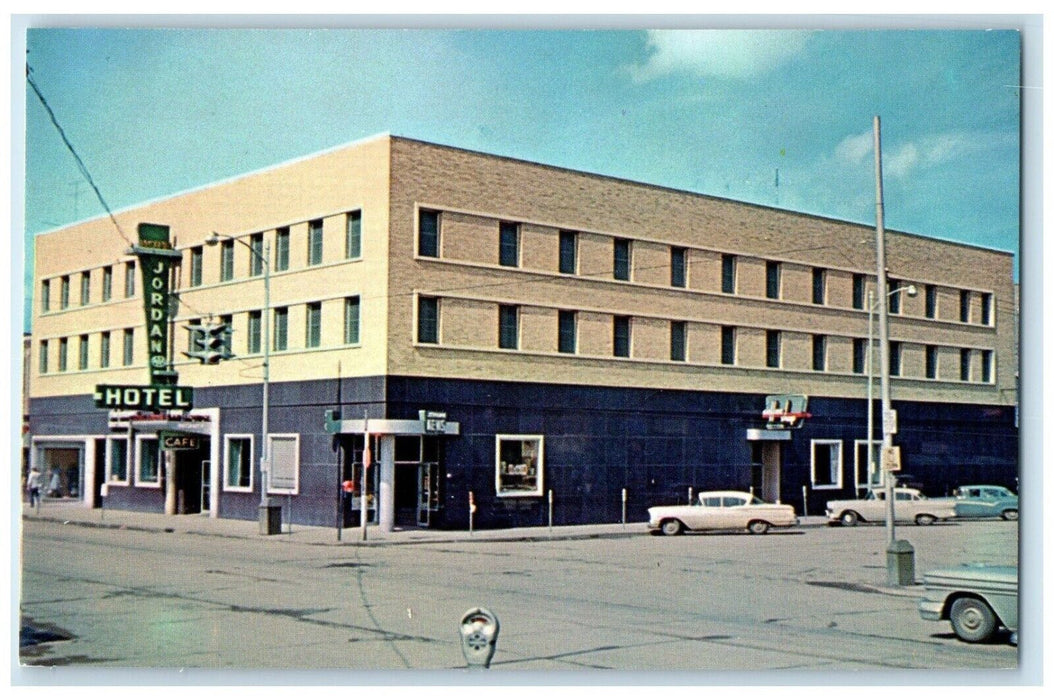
810,600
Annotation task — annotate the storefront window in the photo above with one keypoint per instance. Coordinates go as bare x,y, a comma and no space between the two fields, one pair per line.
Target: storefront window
520,463
117,460
239,462
149,462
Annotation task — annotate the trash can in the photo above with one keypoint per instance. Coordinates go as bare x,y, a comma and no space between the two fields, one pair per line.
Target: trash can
900,563
270,519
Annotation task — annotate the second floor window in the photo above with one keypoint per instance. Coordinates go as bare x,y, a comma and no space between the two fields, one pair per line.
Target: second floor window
819,285
43,357
128,350
772,349
895,358
508,327
819,353
129,279
281,328
621,333
45,295
964,306
107,283
352,312
986,309
85,288
427,320
728,274
314,242
859,291
567,341
728,345
678,340
772,280
82,353
931,301
931,362
64,345
353,235
964,365
313,330
256,257
253,344
859,355
64,293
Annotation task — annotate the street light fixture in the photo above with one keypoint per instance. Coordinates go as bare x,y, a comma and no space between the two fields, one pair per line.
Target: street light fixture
265,406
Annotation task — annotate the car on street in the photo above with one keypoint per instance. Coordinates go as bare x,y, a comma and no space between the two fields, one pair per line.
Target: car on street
721,510
985,502
977,599
909,506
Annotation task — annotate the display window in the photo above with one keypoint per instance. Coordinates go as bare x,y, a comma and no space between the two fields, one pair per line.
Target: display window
520,463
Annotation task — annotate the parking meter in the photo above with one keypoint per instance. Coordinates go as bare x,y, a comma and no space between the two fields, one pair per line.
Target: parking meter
479,637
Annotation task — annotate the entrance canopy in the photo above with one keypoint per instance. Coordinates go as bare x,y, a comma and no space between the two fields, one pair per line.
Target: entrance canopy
427,424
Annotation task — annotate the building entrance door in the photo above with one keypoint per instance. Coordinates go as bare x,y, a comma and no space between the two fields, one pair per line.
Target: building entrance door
771,462
427,492
189,480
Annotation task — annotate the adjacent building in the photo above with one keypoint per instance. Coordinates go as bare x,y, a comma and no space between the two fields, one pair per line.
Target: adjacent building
519,341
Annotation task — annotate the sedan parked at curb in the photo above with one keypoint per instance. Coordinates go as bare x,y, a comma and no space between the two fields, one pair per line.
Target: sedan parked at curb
985,502
909,505
721,510
976,598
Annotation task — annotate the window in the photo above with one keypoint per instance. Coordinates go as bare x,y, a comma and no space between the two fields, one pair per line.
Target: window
621,260
353,236
129,279
85,288
82,353
149,471
281,249
128,354
63,353
964,365
196,257
428,233
894,290
226,260
931,301
987,366
986,308
567,341
519,465
772,280
313,329
931,362
117,459
859,355
107,283
568,252
104,349
427,320
253,344
819,353
43,357
964,306
64,293
256,257
859,290
45,295
868,473
772,348
894,358
280,340
352,313
314,242
508,244
819,285
826,464
728,345
678,340
238,459
621,333
284,453
678,267
508,327
728,274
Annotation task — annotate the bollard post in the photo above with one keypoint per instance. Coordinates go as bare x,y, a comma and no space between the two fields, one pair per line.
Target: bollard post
471,511
550,511
623,507
689,495
804,501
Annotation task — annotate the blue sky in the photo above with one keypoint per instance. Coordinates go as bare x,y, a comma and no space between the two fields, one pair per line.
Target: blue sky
155,112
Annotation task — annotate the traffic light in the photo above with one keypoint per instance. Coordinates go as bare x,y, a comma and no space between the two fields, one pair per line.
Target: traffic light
210,342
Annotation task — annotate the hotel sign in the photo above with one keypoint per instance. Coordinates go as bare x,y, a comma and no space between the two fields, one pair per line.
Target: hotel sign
144,398
156,258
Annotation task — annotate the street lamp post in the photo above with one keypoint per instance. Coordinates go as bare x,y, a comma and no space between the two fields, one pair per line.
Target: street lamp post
264,259
900,557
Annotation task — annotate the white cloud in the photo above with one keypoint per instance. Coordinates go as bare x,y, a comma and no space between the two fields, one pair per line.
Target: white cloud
721,53
853,149
900,160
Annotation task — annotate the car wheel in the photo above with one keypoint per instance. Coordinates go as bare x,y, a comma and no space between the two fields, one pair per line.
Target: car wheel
1009,515
925,519
758,527
672,527
972,620
849,518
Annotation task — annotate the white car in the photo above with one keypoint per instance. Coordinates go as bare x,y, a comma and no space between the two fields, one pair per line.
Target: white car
721,510
909,505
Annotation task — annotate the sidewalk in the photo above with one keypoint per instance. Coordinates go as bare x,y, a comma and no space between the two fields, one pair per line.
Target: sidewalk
76,513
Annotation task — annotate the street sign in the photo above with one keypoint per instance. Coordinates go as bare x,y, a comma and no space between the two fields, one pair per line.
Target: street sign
891,458
171,440
153,398
889,422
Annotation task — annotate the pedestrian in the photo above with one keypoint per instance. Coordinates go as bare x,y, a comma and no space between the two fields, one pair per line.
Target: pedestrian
33,485
53,487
